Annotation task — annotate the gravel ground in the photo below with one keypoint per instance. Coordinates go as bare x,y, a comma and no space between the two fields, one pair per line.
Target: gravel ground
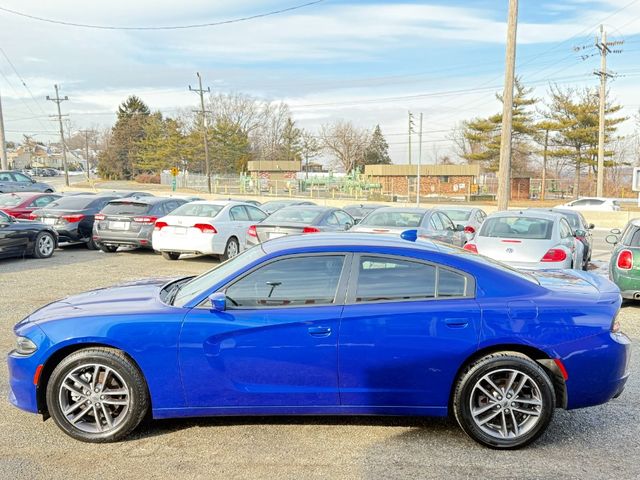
600,442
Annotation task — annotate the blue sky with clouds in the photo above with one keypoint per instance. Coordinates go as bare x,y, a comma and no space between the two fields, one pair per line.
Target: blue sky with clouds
365,61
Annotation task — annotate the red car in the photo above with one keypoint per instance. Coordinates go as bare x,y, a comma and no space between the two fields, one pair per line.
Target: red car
20,205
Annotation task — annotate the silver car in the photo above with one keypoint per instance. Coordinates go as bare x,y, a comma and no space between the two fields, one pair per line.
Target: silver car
529,240
470,218
11,181
429,222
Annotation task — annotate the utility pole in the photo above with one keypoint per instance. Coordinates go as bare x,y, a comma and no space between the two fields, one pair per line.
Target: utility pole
418,188
543,187
4,161
410,131
58,101
201,92
504,171
86,148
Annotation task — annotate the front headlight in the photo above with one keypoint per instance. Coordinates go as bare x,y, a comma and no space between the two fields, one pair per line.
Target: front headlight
24,346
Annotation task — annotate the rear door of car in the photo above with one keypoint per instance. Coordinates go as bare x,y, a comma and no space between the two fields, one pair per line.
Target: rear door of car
407,326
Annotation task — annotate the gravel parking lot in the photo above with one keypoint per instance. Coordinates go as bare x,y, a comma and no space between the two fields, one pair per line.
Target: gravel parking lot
601,442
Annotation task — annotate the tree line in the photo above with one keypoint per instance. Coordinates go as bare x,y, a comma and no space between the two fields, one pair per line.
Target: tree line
239,128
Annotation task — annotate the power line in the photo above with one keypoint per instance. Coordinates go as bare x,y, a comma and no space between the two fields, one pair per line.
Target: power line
161,27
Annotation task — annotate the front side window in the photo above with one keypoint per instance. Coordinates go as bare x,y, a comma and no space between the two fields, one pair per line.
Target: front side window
436,222
21,178
295,281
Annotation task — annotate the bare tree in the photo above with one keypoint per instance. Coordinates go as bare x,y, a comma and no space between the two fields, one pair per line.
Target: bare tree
346,143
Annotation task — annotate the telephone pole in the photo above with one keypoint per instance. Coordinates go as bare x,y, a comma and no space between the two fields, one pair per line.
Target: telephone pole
201,92
86,148
410,132
504,171
58,101
419,161
4,161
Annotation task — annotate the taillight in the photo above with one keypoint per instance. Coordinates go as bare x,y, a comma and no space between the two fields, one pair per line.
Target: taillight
75,218
554,255
205,228
145,220
252,232
161,225
100,216
615,324
310,230
625,260
33,216
469,229
471,247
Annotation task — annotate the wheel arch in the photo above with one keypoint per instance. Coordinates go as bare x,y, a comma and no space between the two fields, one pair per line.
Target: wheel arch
56,357
537,355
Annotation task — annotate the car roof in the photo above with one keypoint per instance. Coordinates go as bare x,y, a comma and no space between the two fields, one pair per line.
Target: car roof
309,207
454,207
404,210
328,240
145,199
222,203
563,211
527,213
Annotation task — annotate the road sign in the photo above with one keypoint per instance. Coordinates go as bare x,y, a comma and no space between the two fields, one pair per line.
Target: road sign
175,171
635,183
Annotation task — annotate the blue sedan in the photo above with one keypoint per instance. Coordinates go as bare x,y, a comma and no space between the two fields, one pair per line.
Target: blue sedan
328,324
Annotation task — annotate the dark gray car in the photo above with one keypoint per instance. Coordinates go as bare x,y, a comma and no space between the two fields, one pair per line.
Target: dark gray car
12,181
130,221
300,219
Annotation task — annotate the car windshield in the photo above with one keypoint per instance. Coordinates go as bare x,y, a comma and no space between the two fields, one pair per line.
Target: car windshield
201,283
9,200
125,208
517,227
197,210
294,215
458,215
393,219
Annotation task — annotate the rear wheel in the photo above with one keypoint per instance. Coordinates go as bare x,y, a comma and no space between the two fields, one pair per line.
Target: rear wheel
504,400
170,255
109,248
231,250
45,244
92,245
97,395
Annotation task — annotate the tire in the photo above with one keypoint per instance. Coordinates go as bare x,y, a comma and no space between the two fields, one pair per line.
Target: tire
532,384
44,245
109,248
170,255
92,245
48,190
232,249
72,384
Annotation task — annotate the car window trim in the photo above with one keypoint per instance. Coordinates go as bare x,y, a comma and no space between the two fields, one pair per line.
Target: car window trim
470,281
338,299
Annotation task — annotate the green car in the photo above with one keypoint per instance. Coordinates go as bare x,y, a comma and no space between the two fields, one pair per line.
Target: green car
624,266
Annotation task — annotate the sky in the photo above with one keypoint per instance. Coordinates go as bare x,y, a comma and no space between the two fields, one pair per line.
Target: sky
369,62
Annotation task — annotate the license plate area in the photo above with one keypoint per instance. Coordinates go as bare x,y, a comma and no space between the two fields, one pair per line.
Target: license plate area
115,225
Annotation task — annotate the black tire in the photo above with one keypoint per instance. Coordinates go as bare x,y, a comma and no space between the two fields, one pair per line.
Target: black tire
44,245
232,249
497,364
122,368
170,255
48,190
109,248
91,244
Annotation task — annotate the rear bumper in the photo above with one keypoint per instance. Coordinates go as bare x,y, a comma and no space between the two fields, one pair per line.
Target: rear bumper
142,238
205,244
598,368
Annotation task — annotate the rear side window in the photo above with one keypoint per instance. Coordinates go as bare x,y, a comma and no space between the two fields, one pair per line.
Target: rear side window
76,202
390,279
297,281
631,236
256,214
9,200
239,214
125,208
517,227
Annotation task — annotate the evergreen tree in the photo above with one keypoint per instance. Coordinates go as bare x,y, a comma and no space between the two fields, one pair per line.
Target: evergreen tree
377,152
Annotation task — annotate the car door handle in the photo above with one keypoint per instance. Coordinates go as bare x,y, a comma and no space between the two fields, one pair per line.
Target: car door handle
456,322
319,331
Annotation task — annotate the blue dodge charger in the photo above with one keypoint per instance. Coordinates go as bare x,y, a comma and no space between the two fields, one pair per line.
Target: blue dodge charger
328,324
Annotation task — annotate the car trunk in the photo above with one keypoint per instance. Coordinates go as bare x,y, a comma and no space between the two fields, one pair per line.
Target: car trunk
512,250
576,281
124,217
268,231
61,217
185,225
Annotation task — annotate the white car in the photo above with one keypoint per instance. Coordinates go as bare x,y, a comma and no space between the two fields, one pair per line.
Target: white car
593,203
205,228
529,240
470,218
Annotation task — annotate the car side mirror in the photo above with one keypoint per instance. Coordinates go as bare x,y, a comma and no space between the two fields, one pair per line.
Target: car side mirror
348,225
33,180
218,301
459,228
580,233
356,221
616,231
612,239
591,226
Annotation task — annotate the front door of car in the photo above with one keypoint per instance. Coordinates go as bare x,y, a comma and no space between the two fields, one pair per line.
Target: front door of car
275,344
406,328
23,183
12,241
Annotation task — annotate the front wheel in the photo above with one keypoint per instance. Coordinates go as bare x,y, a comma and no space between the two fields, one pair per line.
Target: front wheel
504,400
91,244
97,395
45,244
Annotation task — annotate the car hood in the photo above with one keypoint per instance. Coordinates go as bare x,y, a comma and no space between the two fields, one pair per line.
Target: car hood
128,298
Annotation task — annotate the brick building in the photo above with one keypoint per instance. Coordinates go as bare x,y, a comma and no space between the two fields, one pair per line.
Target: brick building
435,180
274,170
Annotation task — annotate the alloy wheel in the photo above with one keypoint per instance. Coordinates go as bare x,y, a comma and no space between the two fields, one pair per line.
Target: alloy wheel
232,249
45,245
